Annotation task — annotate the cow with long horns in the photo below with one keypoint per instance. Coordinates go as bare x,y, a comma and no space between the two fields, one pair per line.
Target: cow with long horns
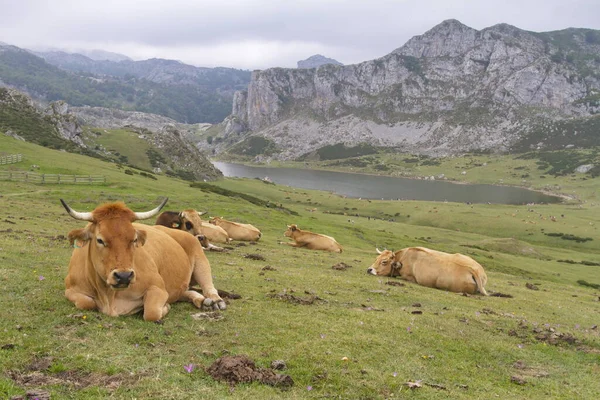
120,267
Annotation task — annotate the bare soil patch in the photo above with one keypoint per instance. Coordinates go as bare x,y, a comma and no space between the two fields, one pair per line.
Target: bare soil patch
341,266
241,369
290,298
395,283
36,374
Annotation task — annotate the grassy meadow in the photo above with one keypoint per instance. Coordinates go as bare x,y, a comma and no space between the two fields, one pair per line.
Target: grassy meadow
341,333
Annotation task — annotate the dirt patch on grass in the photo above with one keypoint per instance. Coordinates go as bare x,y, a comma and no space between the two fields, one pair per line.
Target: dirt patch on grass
395,283
341,266
228,295
498,294
258,257
33,395
556,338
241,369
290,298
36,374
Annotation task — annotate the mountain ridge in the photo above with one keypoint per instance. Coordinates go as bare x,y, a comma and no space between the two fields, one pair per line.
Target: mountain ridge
450,90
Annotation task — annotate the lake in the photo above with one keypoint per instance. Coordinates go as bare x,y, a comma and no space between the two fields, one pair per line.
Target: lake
386,187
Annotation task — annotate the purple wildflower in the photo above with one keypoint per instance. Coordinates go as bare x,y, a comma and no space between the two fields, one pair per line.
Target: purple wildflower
189,368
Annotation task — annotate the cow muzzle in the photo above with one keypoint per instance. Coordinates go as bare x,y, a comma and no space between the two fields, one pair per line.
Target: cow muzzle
371,271
121,279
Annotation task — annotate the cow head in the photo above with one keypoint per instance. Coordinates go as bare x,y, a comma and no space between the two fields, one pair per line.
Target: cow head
112,240
191,222
385,264
216,220
290,230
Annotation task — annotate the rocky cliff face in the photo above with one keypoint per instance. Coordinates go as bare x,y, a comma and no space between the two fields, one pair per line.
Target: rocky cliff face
66,123
450,90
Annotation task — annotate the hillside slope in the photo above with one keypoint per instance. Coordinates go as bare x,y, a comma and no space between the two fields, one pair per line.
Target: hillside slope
165,150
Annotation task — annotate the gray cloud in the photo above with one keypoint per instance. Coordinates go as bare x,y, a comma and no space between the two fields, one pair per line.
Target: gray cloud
253,34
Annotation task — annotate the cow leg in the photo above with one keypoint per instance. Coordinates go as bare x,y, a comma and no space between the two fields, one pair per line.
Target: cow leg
81,301
193,297
294,244
155,304
201,274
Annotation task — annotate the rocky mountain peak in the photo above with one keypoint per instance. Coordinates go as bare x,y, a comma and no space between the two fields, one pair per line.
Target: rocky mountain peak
316,61
449,90
447,39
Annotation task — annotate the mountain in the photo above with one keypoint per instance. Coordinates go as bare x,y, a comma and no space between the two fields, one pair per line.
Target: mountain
121,138
101,55
170,88
224,81
451,90
316,61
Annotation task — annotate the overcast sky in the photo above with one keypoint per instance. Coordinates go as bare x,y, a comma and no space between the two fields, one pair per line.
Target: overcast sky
258,34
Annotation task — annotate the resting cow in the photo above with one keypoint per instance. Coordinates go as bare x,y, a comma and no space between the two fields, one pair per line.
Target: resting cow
119,267
310,240
237,231
431,268
188,221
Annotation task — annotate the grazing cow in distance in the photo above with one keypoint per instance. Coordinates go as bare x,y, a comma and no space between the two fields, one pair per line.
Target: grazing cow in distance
189,221
120,267
236,230
431,268
310,240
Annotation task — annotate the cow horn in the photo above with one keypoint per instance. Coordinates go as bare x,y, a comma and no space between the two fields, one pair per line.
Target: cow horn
84,216
378,251
202,213
151,213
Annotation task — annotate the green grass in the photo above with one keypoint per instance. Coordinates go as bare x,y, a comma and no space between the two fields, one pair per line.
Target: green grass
124,143
459,347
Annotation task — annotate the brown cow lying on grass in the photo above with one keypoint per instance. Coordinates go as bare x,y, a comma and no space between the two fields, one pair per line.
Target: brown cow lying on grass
431,268
190,221
310,240
236,230
119,267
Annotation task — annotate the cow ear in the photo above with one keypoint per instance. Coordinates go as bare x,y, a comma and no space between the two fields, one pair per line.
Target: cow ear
80,235
175,225
141,237
294,227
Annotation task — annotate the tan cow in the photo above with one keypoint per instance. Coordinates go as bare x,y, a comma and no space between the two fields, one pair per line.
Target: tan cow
119,267
310,240
431,268
215,233
189,221
236,230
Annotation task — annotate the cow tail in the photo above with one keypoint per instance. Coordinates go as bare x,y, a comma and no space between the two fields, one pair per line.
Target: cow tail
479,283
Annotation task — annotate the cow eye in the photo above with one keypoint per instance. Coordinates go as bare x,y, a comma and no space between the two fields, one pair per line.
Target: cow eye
134,241
189,225
100,241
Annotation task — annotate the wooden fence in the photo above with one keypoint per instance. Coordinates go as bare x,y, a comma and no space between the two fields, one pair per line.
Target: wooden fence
11,159
32,177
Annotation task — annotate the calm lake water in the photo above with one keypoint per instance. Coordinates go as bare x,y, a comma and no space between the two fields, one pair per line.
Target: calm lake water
378,187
